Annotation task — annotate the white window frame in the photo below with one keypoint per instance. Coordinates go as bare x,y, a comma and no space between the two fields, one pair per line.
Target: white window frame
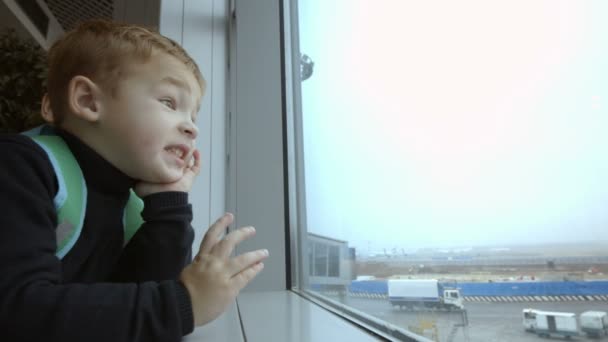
256,186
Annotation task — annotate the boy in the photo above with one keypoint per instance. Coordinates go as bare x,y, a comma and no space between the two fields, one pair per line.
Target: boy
124,100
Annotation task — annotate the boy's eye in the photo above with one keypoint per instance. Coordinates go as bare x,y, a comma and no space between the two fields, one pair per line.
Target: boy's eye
168,102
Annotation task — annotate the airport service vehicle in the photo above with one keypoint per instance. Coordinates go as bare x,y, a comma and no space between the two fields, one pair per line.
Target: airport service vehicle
428,293
594,323
547,323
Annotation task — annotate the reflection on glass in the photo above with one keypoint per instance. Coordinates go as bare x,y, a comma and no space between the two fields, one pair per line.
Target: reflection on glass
320,260
334,261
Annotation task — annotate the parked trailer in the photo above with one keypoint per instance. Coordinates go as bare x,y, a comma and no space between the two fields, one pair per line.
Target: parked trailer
594,323
427,293
547,323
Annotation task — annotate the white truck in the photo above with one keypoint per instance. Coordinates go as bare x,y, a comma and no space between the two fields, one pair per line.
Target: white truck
547,323
427,293
594,323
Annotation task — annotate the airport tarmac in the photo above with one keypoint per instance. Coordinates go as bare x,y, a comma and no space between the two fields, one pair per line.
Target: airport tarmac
487,322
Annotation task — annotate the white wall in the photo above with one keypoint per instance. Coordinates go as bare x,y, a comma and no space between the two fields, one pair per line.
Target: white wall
201,28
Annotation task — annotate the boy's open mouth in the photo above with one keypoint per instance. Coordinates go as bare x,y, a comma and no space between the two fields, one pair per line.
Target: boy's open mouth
180,151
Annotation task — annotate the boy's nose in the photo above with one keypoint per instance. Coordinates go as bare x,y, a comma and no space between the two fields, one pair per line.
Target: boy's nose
189,129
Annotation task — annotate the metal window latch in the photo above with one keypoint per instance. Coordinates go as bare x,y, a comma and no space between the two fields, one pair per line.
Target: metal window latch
306,67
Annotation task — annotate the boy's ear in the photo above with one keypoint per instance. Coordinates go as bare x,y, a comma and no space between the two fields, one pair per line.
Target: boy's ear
45,109
84,98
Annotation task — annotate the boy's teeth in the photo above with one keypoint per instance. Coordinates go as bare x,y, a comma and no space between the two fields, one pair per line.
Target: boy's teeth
176,151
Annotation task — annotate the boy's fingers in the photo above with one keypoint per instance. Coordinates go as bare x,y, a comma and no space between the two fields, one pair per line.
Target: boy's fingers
240,280
245,260
214,233
224,248
196,166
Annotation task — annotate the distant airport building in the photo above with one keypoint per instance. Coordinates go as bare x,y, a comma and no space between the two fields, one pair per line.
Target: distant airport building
331,263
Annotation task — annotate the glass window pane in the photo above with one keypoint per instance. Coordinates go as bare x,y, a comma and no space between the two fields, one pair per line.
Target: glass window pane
310,257
320,260
457,150
334,261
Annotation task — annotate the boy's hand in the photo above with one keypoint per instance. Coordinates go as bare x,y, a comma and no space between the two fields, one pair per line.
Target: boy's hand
214,279
183,184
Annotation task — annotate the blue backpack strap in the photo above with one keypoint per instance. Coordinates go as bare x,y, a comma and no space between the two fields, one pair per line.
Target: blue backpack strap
40,130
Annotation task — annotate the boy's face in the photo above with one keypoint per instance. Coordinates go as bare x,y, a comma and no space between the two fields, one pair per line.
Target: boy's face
148,125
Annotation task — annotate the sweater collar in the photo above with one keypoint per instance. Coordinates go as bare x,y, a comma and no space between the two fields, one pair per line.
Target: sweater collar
98,172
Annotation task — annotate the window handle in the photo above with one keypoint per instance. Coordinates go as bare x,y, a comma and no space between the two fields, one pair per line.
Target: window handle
306,67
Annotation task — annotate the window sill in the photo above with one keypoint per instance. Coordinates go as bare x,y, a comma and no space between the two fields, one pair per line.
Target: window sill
227,327
268,316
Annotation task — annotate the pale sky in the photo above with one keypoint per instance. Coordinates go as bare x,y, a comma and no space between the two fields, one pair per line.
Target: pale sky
456,123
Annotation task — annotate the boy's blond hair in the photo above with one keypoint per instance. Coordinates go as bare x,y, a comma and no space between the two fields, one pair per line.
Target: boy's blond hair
99,50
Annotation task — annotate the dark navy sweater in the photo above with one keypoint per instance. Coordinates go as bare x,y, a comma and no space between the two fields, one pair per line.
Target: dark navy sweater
99,291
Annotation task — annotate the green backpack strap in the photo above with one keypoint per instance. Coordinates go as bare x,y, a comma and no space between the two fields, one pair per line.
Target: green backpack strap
132,219
71,199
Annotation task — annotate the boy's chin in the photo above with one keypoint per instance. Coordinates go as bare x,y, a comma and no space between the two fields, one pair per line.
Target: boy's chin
170,178
166,177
